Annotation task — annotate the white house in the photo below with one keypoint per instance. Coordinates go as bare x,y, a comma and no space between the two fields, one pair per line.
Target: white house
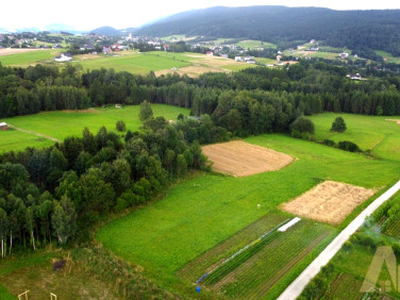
64,57
3,126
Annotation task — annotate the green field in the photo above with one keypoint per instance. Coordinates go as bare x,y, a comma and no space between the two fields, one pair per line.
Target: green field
60,124
252,44
368,132
28,58
388,56
134,62
202,212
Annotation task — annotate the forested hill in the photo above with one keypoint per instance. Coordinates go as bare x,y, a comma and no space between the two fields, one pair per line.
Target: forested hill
374,29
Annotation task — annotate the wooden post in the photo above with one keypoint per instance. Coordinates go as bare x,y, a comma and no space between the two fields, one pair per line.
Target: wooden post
53,296
23,294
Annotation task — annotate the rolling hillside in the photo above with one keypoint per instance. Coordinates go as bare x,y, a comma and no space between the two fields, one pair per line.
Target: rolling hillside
374,29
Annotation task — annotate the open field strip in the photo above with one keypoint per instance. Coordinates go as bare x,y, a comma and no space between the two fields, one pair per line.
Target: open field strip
203,212
27,58
60,124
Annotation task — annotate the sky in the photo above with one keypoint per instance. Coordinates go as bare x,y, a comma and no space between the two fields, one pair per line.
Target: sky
120,14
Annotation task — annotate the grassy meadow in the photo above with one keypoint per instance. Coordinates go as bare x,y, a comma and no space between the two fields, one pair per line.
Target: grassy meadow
373,133
134,62
27,58
202,212
60,124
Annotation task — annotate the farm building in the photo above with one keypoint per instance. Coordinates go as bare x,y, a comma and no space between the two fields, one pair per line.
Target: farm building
3,126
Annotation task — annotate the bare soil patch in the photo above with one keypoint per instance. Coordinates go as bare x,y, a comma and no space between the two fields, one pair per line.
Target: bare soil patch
394,120
330,202
239,158
9,51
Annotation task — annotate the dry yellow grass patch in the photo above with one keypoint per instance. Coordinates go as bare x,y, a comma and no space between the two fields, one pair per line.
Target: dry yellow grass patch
238,158
9,51
330,202
394,120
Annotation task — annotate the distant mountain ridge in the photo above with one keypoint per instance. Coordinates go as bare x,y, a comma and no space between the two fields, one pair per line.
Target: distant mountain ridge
372,29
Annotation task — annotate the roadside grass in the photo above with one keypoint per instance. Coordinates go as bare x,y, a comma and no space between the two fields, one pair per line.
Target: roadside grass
202,212
368,132
60,124
28,58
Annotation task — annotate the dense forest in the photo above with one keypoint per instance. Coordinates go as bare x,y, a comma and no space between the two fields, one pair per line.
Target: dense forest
286,27
59,193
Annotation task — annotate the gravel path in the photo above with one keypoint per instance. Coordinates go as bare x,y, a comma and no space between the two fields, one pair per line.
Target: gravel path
297,286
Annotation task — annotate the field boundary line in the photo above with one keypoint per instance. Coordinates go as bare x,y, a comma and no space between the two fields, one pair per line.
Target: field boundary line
34,133
296,287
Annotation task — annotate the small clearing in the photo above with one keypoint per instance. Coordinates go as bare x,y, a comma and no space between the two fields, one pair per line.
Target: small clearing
239,158
330,202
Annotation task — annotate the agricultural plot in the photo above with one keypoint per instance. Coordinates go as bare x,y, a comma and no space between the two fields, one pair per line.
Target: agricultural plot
238,158
215,256
393,228
329,202
345,286
60,124
203,212
257,270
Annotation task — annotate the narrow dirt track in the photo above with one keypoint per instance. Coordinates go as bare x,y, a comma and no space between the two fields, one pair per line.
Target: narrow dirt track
34,133
297,286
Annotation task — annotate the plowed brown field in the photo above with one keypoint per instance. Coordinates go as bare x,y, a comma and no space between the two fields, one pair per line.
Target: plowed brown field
239,158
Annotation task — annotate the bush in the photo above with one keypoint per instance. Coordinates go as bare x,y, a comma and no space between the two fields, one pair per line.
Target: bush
329,143
348,146
339,125
302,125
121,126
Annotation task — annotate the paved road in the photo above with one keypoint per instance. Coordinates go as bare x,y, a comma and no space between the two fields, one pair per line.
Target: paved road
297,286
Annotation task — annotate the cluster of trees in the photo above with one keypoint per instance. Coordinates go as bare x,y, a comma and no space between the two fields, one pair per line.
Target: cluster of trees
59,193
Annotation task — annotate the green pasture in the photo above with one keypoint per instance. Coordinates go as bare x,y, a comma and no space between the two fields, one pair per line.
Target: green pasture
252,44
60,124
137,63
368,132
27,58
202,212
265,61
16,140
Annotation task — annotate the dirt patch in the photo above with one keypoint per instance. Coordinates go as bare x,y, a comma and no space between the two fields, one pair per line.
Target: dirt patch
86,111
394,120
239,159
330,202
9,51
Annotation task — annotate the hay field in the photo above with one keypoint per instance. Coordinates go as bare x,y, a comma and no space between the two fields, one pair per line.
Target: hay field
330,202
239,158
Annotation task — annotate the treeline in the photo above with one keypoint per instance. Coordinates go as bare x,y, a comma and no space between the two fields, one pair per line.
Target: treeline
59,193
234,101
